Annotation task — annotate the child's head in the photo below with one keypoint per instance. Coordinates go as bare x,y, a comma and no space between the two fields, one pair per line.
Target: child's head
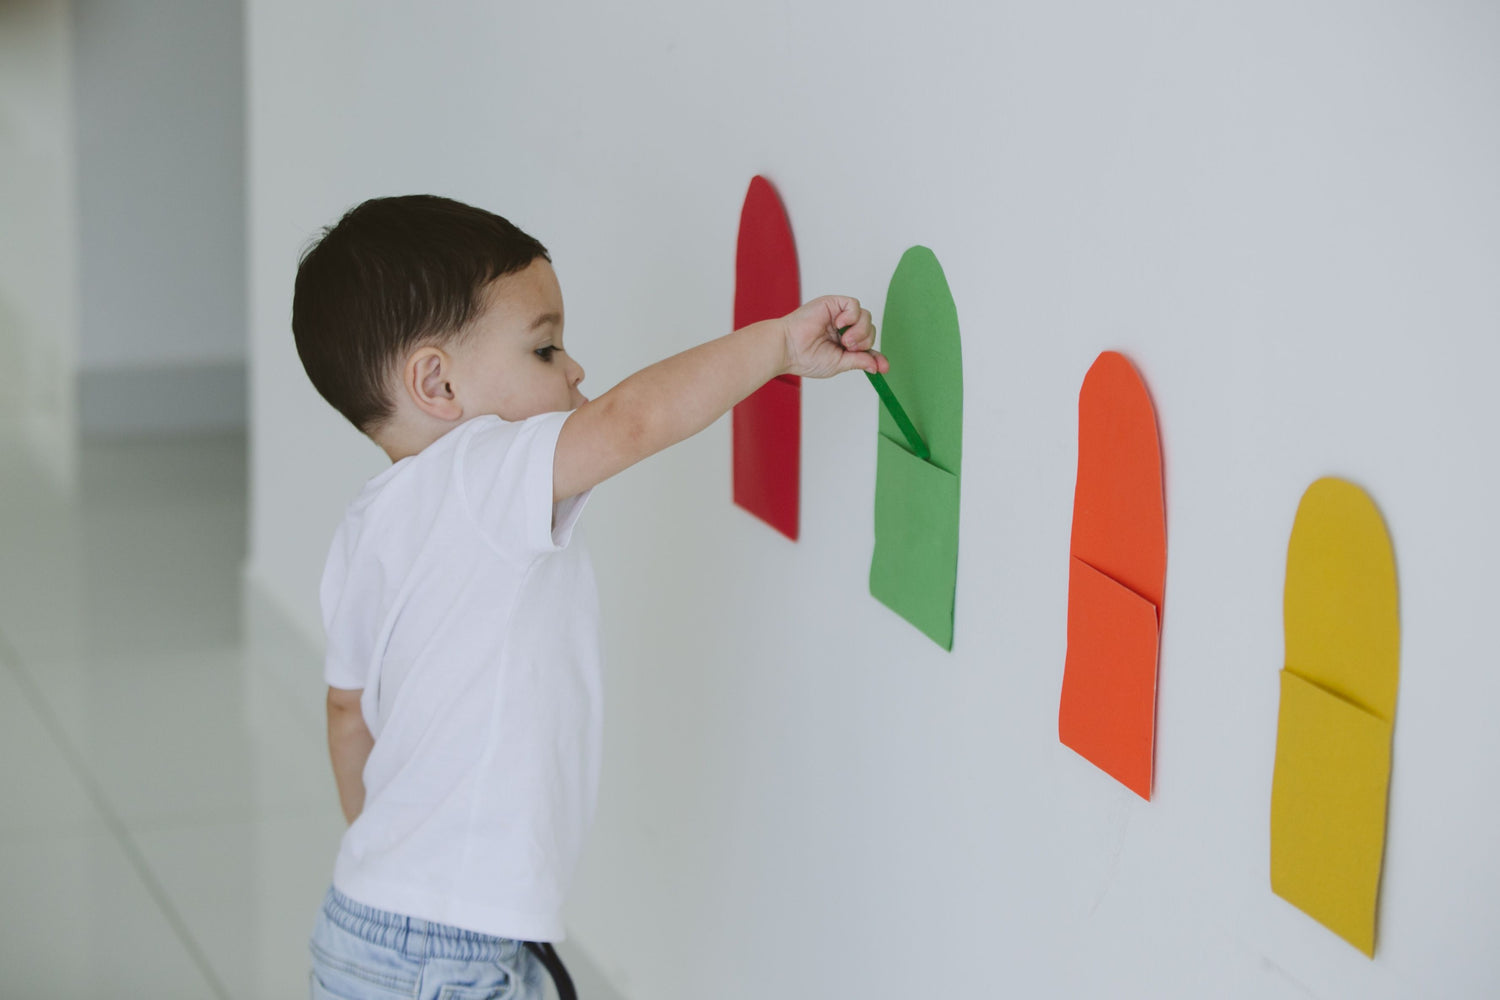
415,313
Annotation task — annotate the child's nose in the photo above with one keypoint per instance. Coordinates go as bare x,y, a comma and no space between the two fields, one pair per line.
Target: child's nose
577,372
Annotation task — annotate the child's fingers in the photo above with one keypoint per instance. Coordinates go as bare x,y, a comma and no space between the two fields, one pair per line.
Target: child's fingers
866,361
847,311
860,335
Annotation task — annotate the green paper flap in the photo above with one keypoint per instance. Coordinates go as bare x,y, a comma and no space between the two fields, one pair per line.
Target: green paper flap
919,334
916,540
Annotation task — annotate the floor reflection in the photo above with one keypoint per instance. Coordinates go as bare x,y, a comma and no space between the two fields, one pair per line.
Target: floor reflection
169,823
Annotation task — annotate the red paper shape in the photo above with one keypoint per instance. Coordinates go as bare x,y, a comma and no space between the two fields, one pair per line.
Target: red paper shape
1116,578
767,425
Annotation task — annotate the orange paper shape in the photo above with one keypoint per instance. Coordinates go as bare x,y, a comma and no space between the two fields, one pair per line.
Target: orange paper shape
1116,577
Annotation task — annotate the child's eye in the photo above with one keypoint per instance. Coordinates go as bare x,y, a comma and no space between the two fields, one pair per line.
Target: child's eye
545,353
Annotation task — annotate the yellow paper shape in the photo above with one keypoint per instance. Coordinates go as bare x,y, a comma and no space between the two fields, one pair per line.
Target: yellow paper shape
1338,704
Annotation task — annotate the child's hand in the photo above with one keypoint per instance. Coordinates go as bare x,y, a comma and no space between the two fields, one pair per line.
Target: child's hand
676,398
815,348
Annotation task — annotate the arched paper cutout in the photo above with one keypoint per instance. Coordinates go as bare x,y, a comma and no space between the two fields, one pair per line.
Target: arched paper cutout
914,569
768,424
1338,706
1116,577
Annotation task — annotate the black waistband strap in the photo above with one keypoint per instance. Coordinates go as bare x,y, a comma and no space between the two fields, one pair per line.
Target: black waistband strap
547,955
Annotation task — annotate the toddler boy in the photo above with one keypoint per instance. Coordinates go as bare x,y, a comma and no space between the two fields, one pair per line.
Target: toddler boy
461,616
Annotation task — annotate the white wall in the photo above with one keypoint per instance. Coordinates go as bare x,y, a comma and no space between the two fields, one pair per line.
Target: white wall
38,230
160,99
1286,216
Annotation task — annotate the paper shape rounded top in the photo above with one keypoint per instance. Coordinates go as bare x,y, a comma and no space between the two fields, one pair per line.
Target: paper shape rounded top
919,335
1119,516
768,424
1340,609
766,282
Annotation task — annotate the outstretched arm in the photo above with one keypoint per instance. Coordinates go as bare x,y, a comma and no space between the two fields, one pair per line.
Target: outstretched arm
674,399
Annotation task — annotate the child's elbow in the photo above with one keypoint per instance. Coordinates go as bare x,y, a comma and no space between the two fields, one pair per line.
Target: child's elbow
632,433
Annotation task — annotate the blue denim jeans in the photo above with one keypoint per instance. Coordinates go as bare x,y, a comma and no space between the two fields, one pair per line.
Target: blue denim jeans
361,953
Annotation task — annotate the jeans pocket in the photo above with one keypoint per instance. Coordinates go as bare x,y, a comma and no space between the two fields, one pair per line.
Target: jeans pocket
480,981
327,985
347,968
494,992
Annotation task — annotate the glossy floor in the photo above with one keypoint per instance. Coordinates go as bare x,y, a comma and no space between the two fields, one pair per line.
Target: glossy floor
167,816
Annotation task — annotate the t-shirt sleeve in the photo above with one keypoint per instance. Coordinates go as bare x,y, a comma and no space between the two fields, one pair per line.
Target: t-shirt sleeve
347,657
505,472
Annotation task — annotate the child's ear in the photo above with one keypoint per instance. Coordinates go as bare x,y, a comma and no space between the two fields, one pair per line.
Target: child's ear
427,379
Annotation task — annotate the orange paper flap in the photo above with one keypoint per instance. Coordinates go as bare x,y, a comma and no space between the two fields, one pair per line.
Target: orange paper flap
1108,709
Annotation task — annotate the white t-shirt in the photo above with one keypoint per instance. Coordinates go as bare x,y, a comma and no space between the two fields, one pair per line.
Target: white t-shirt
453,597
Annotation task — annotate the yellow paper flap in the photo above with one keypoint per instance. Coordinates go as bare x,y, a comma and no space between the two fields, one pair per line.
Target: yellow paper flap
1328,804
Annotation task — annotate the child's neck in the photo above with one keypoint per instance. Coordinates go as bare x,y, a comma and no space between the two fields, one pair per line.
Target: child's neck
403,437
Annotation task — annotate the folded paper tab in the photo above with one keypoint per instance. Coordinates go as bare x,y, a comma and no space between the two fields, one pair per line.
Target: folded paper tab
1116,579
767,427
1108,711
1338,704
914,567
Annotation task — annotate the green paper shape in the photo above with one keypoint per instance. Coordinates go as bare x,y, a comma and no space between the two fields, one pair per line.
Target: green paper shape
914,569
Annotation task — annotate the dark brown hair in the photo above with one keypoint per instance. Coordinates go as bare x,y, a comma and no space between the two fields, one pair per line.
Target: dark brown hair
391,275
